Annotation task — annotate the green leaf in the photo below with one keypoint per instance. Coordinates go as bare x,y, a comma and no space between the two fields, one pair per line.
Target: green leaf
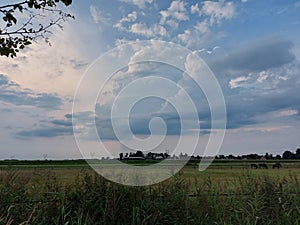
30,4
67,2
14,19
20,7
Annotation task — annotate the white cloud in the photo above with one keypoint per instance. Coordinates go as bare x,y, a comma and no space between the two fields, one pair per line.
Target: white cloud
97,15
262,76
186,36
127,24
285,113
139,3
143,29
197,37
60,65
244,1
217,11
195,9
212,13
265,129
122,41
208,52
131,17
175,13
202,27
237,82
284,78
191,37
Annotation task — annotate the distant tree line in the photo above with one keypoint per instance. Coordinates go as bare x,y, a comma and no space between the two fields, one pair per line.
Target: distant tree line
287,154
141,155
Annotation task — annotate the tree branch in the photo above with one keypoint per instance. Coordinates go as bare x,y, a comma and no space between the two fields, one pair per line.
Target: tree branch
14,37
13,5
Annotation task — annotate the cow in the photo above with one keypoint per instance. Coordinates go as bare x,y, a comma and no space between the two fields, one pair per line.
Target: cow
276,165
263,166
254,166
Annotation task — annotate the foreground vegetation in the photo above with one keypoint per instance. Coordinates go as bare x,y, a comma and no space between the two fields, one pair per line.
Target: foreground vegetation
224,194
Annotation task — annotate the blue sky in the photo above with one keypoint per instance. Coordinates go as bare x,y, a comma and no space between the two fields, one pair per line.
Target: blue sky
251,46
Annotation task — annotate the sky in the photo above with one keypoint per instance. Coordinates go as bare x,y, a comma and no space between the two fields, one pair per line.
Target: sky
251,47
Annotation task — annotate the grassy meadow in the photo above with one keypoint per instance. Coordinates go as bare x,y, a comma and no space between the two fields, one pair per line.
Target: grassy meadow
228,192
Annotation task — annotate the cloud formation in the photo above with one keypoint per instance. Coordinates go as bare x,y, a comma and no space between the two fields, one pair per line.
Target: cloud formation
217,11
210,14
176,13
264,96
130,18
257,70
13,93
97,15
139,3
262,55
48,129
143,29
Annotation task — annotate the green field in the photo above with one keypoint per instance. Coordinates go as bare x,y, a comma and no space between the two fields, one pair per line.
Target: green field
228,192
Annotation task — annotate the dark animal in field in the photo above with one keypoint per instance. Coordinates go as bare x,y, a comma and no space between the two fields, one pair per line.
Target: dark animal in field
263,166
277,165
254,166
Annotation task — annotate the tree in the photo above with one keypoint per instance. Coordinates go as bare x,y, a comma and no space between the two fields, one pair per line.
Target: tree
26,21
288,155
139,154
166,155
268,156
298,153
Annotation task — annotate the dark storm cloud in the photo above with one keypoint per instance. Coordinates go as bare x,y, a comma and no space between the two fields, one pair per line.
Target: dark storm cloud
245,106
247,103
140,125
105,129
68,116
138,121
11,92
66,123
262,55
77,64
45,132
248,107
48,129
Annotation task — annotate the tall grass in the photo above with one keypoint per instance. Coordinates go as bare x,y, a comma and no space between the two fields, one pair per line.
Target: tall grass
39,197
